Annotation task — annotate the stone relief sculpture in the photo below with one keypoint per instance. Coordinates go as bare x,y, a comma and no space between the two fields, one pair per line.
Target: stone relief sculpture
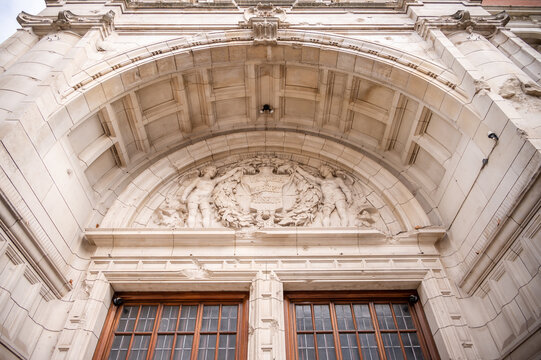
336,194
266,192
198,194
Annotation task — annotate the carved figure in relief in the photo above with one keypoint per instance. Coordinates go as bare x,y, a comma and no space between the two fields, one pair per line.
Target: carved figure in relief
198,195
266,192
336,195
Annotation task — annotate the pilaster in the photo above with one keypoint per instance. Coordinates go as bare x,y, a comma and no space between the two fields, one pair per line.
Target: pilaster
266,339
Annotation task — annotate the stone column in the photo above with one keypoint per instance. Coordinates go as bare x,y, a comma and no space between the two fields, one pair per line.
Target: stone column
266,339
15,46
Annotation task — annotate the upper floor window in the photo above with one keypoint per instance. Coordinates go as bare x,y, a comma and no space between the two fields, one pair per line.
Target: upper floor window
176,326
355,326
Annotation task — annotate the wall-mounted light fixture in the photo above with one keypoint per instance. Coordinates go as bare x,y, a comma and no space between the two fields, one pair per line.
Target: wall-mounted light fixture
266,109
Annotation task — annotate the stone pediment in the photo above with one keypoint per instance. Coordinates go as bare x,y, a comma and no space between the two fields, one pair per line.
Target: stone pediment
266,192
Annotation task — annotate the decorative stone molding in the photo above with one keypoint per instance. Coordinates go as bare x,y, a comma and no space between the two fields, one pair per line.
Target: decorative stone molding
462,20
264,20
66,20
17,229
135,57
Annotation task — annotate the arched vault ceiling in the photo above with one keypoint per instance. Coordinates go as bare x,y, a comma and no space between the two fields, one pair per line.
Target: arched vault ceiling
399,110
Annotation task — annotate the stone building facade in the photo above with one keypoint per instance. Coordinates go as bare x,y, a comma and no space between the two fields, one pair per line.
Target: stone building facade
353,150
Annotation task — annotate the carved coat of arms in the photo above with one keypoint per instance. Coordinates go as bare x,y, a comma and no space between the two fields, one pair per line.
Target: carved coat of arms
264,192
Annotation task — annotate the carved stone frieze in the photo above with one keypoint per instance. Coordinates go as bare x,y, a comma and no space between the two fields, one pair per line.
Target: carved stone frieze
462,20
267,192
66,20
264,20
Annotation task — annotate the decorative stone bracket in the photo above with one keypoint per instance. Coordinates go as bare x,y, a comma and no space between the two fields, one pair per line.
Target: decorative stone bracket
264,20
66,20
462,20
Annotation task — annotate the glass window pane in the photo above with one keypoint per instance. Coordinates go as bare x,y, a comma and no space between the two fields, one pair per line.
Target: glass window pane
183,347
362,317
169,318
229,318
119,350
349,347
369,346
325,346
303,315
210,318
146,318
305,347
393,351
344,318
207,347
188,315
164,344
385,317
412,346
139,347
322,317
403,316
127,319
226,347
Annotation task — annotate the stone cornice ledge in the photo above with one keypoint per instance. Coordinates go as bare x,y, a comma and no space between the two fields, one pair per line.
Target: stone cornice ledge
29,245
159,237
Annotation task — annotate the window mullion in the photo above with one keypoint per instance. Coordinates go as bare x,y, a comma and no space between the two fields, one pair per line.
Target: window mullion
334,325
314,331
398,331
175,332
153,335
196,336
356,327
218,333
134,331
375,324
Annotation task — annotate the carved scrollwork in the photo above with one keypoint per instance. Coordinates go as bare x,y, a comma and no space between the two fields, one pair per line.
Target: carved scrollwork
264,20
66,20
462,20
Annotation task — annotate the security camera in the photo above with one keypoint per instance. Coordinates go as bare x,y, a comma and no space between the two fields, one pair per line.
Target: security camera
117,301
413,299
492,135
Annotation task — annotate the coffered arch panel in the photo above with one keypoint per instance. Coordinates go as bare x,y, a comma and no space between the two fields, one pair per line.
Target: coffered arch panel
406,113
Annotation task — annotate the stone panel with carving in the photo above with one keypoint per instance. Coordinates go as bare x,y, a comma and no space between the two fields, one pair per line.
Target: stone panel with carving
267,192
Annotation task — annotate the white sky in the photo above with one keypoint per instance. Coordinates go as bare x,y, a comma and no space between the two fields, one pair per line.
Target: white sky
9,9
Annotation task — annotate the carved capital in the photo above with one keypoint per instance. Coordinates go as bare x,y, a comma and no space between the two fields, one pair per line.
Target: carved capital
66,20
462,20
264,20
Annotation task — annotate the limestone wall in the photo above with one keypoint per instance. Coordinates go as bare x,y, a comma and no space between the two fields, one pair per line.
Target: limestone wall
97,109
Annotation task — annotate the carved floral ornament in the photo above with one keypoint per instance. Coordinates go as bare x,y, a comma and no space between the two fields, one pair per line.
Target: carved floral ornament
267,192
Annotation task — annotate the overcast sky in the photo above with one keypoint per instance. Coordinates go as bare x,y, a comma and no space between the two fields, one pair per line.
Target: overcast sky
9,9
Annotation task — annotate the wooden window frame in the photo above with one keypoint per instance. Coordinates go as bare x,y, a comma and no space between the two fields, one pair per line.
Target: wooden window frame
158,298
426,340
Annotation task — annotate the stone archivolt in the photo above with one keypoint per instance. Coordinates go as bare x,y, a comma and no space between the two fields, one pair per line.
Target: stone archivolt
265,192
